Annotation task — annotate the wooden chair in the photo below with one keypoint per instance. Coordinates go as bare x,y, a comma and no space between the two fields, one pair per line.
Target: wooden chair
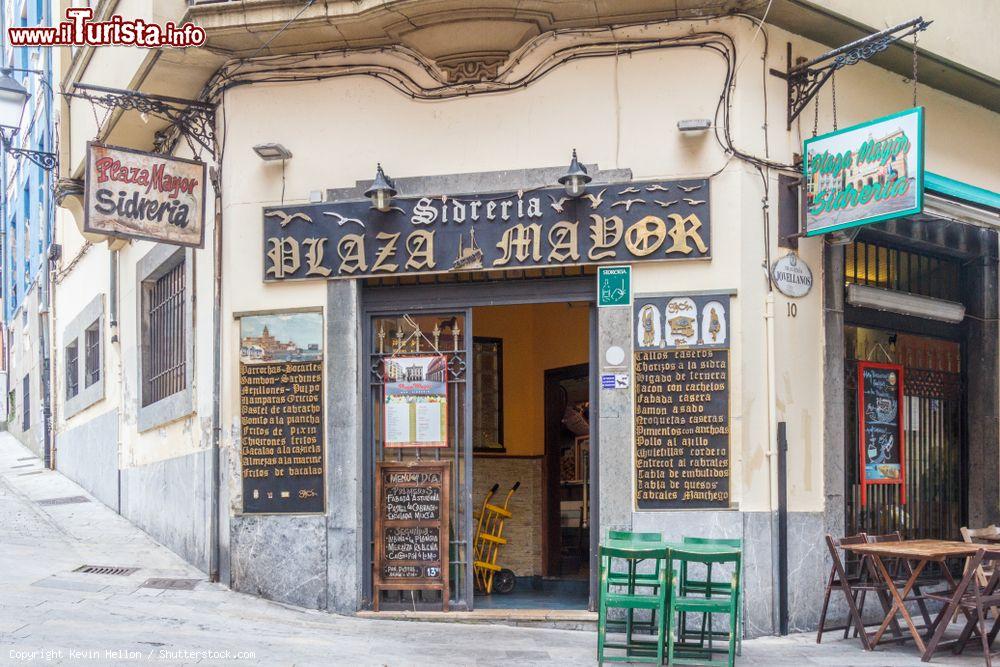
971,599
984,572
850,583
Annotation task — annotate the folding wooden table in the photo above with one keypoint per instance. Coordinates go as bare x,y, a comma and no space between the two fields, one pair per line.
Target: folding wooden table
920,553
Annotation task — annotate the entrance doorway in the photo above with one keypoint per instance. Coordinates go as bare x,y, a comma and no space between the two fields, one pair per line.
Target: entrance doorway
514,391
531,428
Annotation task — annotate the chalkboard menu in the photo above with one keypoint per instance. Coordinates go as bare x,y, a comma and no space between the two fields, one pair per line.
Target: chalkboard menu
281,413
682,420
880,426
411,527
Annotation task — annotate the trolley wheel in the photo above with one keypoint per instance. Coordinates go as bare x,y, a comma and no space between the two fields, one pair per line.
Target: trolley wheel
504,581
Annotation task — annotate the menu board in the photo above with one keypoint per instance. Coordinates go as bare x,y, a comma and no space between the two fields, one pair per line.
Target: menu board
682,420
411,527
281,413
416,401
880,426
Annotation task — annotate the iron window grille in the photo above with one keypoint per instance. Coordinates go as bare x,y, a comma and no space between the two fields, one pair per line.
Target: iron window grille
877,265
92,354
164,335
72,369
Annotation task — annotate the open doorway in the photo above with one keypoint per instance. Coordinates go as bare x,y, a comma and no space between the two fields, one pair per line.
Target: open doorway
531,455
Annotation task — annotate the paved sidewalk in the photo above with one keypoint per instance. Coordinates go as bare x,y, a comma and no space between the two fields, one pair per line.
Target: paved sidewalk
52,615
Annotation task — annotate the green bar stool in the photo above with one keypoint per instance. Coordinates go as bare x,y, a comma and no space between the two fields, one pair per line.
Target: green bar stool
653,597
710,588
633,578
696,601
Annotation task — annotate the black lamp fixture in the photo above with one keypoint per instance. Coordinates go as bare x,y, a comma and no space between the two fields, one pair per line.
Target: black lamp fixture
576,178
382,191
13,100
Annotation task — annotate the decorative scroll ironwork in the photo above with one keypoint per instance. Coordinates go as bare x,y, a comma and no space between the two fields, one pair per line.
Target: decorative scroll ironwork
45,160
806,78
191,118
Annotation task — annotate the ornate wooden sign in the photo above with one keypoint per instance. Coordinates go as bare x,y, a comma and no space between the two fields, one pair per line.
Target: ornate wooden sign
613,223
281,412
880,427
411,527
142,195
682,401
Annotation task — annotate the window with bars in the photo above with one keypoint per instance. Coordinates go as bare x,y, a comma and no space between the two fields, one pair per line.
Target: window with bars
73,369
877,265
164,333
92,353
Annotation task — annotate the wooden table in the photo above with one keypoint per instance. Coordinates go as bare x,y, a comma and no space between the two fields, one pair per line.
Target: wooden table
920,552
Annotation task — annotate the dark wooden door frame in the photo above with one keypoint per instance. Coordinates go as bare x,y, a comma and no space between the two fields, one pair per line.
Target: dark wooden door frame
551,520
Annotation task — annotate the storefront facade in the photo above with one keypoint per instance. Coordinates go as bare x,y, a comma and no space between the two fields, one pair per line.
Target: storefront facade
520,334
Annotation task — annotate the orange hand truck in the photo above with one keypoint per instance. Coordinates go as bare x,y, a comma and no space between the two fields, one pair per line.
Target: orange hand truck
489,539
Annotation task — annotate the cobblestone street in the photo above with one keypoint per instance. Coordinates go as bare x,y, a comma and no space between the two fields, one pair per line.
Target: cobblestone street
50,614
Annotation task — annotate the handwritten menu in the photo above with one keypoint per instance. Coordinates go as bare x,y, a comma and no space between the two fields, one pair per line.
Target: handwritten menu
411,525
281,448
880,422
682,420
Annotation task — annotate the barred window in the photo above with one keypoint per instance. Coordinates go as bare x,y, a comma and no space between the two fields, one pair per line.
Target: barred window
26,403
92,353
72,369
164,334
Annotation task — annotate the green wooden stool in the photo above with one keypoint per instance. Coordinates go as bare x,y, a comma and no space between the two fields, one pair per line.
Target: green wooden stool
704,600
630,599
709,588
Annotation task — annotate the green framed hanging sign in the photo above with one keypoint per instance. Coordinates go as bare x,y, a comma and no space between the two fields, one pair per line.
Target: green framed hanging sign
865,173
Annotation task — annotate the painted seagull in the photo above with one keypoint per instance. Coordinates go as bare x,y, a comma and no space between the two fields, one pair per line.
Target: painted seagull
627,203
341,220
656,187
665,204
628,191
690,189
596,200
694,202
285,218
557,204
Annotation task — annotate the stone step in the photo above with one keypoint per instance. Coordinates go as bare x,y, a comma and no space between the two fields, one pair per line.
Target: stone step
556,619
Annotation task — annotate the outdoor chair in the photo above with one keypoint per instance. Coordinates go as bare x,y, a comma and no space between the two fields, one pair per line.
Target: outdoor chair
853,579
983,572
631,577
648,596
696,601
708,587
972,599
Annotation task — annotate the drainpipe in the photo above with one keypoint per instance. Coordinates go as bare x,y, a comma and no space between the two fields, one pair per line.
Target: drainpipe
214,523
772,457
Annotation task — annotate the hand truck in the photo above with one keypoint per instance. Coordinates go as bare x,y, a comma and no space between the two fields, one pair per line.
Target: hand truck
489,539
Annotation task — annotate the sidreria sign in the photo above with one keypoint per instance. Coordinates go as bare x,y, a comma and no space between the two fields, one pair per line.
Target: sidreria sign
865,173
144,195
613,223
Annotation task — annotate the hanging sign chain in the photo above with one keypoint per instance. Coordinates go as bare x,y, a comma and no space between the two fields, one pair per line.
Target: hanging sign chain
833,94
914,69
816,115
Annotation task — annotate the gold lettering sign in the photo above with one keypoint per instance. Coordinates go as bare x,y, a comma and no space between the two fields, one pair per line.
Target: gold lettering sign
284,256
680,233
605,233
645,236
420,245
314,257
563,239
520,242
386,251
352,253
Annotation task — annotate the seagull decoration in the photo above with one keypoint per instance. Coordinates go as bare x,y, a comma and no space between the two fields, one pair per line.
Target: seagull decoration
285,218
694,202
629,191
690,189
342,220
557,204
596,200
656,187
627,203
665,204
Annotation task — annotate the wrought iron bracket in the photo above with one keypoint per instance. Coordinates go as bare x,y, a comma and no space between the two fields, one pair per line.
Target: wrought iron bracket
45,160
806,77
192,118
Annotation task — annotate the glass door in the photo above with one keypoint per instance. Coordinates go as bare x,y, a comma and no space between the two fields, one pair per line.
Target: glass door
435,348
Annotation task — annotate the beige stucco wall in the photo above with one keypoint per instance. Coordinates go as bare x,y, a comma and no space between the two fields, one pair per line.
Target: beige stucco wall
620,113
